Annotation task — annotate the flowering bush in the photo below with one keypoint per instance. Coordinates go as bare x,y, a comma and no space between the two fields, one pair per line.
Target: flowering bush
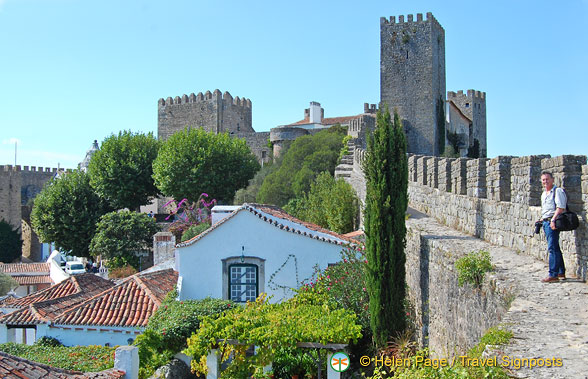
186,215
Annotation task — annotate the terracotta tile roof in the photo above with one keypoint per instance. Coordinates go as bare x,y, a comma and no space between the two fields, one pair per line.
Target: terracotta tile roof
46,311
130,303
329,120
283,221
16,367
25,280
21,268
70,286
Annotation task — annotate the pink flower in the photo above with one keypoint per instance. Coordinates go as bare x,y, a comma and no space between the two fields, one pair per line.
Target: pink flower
366,261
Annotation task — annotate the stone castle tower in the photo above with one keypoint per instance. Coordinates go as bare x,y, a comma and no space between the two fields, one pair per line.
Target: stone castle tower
412,78
215,112
473,105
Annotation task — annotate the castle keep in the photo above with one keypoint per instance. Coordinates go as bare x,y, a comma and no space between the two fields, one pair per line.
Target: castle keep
412,81
212,111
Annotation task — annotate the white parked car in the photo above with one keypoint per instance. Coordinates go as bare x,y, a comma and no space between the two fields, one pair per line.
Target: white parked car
74,268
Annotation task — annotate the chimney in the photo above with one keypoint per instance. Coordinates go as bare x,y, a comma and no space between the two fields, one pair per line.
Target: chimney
315,113
164,244
126,358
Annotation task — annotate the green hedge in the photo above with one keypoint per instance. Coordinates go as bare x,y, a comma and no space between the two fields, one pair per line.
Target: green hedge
79,358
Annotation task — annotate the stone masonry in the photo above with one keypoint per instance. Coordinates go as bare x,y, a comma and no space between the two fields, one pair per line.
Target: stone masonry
497,199
412,77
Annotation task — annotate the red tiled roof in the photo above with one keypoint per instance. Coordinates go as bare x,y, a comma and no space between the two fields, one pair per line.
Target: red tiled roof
46,311
25,280
16,367
70,286
328,121
20,268
277,214
130,303
356,233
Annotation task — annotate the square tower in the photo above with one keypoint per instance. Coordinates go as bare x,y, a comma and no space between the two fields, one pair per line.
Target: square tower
412,79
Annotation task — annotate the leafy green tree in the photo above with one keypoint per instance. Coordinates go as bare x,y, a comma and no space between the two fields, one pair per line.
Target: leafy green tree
122,170
306,158
330,203
249,193
386,171
10,243
194,161
66,212
122,236
6,284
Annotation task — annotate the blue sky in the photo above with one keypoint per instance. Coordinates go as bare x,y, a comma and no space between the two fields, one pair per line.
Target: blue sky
72,71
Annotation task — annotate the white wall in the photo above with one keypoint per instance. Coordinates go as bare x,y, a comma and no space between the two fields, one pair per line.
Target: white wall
200,265
70,335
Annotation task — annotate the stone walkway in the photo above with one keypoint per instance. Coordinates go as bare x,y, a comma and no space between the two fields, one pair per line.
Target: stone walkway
548,320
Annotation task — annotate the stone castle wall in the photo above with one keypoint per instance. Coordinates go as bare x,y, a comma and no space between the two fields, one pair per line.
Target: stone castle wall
215,112
18,187
412,76
10,190
497,200
450,318
258,143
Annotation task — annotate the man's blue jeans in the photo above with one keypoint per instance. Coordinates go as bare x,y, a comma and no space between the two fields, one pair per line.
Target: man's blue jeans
556,262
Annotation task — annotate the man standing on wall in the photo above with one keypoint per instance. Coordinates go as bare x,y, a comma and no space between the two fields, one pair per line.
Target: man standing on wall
553,203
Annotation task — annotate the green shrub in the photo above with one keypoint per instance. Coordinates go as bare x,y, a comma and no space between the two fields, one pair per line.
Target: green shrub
473,267
79,358
48,342
170,326
194,230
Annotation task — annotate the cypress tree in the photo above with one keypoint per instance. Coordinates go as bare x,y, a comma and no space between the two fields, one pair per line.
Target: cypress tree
386,172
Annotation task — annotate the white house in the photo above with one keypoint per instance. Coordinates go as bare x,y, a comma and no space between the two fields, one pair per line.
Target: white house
254,249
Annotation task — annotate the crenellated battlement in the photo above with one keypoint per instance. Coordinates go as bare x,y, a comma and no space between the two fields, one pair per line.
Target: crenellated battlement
32,169
471,94
226,98
409,19
499,199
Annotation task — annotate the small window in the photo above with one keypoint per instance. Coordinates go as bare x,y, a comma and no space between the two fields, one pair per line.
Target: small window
263,154
467,105
243,282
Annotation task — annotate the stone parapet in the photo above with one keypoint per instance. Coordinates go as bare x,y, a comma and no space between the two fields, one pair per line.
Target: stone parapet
525,185
567,172
412,167
476,178
459,176
422,170
498,180
433,172
444,174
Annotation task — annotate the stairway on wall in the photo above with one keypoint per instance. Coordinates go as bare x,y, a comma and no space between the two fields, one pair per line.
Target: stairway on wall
345,166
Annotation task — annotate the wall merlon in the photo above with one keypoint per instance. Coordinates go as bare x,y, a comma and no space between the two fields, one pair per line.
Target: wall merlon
161,102
227,97
200,96
207,95
409,19
177,100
